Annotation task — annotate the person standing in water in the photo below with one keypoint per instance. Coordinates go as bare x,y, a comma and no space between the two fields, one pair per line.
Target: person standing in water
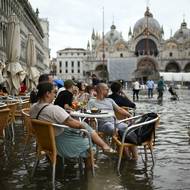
160,89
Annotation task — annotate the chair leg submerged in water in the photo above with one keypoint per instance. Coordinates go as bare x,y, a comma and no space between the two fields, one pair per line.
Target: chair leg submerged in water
45,137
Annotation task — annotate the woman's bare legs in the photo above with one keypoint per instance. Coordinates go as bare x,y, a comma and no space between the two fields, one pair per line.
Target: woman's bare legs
97,140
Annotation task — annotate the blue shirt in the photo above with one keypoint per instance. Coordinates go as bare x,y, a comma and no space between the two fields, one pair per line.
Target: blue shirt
150,84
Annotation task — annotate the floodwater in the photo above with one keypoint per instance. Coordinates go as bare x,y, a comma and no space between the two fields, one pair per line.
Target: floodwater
171,170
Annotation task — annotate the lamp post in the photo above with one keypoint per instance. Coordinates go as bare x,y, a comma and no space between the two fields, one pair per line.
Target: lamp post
104,71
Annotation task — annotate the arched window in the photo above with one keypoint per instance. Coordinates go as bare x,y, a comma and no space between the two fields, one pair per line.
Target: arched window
172,67
187,68
146,47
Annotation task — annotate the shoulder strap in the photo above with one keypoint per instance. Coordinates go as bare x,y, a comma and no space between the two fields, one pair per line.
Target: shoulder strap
41,110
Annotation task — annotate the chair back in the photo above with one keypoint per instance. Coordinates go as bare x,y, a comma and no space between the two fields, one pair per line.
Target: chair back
27,121
25,104
12,107
4,116
20,106
45,137
3,106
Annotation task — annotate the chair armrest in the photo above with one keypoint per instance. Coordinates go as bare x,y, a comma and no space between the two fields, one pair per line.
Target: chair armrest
127,119
24,113
66,127
61,126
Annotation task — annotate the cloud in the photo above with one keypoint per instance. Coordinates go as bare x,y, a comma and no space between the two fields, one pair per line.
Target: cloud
71,22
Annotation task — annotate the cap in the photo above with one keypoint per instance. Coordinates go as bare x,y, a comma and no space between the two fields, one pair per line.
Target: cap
69,83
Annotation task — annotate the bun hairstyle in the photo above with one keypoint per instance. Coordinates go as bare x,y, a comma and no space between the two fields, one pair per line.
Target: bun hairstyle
43,88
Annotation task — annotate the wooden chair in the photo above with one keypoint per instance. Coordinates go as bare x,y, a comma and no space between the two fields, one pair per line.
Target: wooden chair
11,121
121,144
45,137
4,117
28,127
3,106
20,106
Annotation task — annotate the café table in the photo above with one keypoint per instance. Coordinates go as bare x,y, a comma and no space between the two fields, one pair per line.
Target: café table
88,114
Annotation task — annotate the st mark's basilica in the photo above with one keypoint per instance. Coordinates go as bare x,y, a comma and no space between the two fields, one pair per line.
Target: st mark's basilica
145,55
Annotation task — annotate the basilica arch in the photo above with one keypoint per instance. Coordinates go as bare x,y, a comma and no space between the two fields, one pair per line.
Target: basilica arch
187,68
147,68
173,67
146,47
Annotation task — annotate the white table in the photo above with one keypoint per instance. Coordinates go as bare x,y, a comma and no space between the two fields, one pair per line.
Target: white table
88,114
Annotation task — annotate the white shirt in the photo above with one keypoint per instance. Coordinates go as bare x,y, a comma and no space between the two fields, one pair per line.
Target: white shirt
136,85
51,113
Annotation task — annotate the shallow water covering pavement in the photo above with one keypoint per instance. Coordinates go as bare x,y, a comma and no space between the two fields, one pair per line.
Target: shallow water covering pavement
170,172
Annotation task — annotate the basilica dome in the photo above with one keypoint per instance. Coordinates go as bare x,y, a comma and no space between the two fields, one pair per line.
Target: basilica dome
183,33
147,22
113,35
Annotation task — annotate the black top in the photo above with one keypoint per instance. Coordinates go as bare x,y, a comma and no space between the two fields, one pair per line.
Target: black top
33,96
95,81
64,97
122,101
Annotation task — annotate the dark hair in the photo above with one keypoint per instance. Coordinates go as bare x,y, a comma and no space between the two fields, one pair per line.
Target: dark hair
79,85
116,87
1,87
44,78
88,88
43,88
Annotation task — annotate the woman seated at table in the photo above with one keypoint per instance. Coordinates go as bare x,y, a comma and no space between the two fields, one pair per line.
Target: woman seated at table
81,88
69,142
89,93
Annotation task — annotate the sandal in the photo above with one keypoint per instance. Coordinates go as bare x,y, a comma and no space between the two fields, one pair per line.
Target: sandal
110,152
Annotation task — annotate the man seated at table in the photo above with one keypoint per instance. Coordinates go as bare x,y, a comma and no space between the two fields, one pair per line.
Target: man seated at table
106,125
69,142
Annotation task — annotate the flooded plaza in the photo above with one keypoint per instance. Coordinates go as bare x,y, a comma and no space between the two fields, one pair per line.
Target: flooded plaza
171,170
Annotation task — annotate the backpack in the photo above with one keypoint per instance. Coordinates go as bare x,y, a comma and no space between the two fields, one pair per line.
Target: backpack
140,134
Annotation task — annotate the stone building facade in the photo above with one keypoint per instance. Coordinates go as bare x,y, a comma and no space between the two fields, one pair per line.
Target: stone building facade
29,23
71,63
144,55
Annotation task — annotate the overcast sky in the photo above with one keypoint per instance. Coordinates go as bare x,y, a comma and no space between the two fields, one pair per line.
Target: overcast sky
71,21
